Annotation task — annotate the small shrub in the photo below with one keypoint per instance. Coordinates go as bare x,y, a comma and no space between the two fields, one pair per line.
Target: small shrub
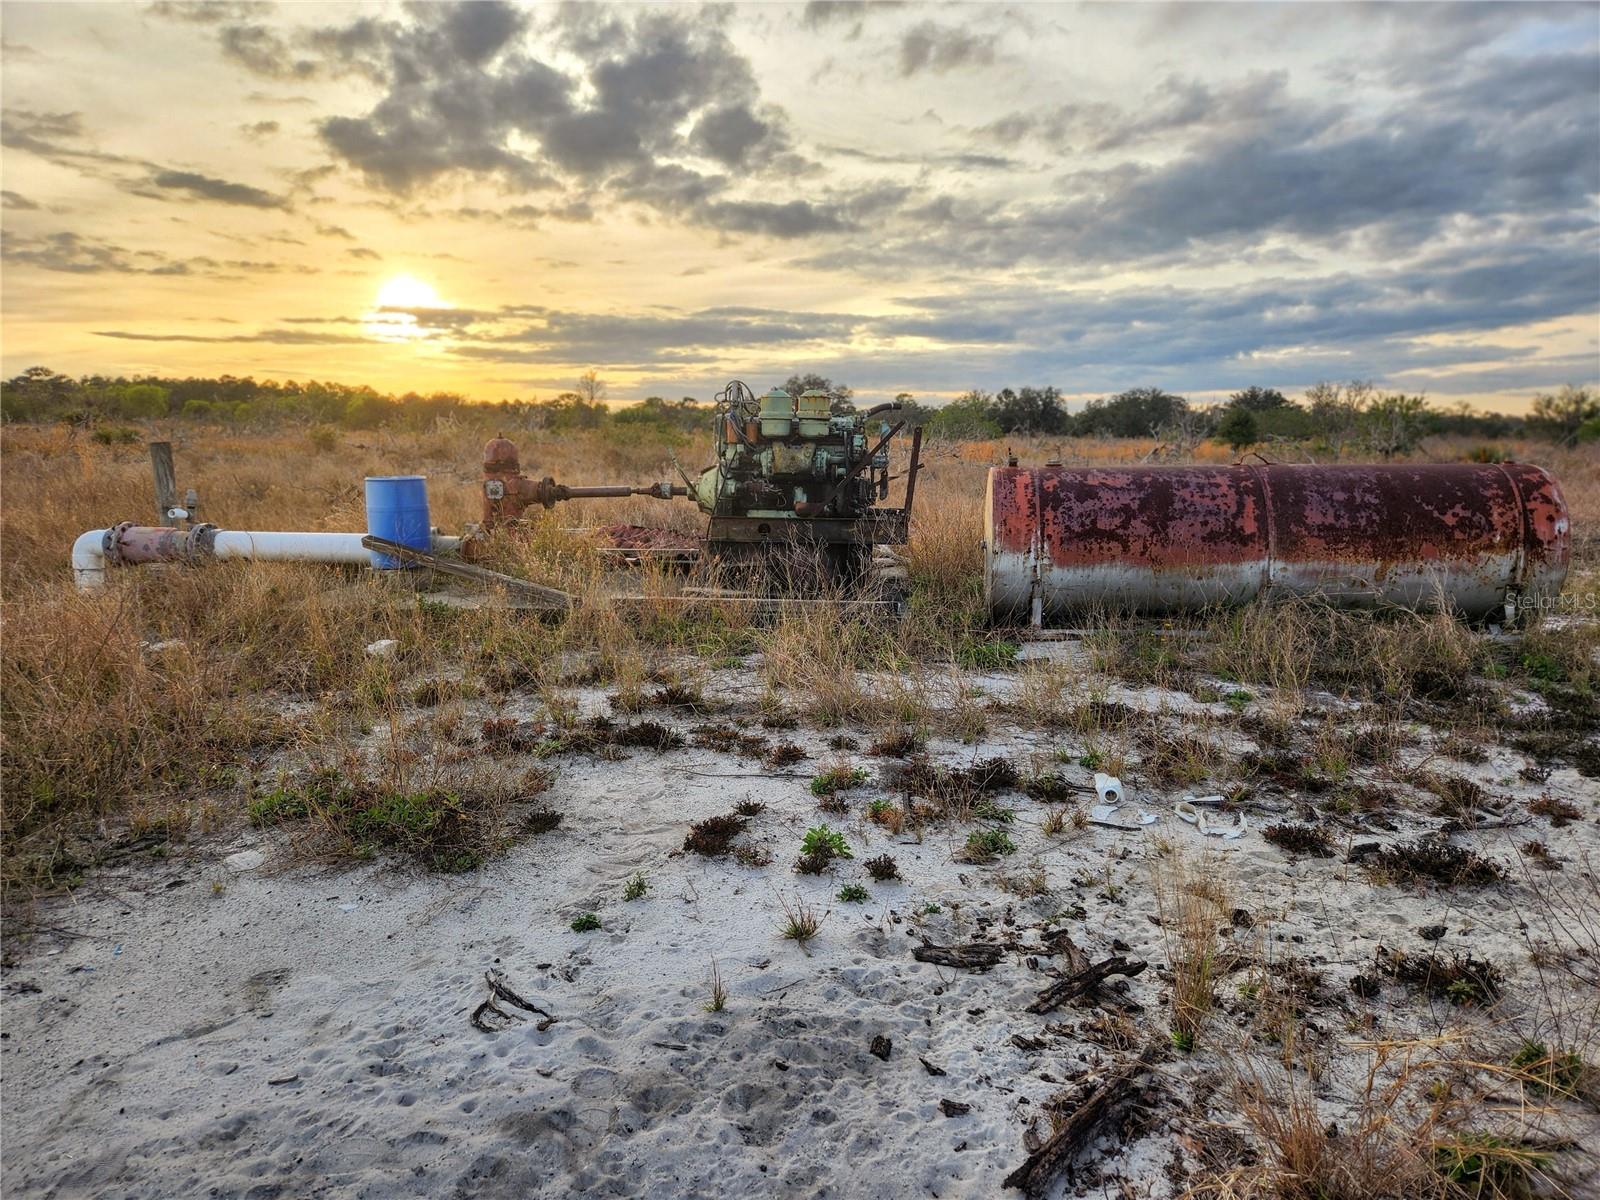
898,743
783,754
648,735
985,845
752,856
1049,787
677,696
116,435
854,893
1560,812
1309,840
882,868
1239,699
830,841
586,922
1434,860
837,779
714,836
635,888
749,808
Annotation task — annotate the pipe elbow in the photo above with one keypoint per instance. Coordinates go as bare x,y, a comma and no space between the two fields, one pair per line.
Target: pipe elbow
89,559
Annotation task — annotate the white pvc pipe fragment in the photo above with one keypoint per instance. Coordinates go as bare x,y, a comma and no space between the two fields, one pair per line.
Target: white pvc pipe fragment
89,550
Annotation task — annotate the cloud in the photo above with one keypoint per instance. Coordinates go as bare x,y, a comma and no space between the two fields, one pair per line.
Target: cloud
259,49
17,201
71,253
363,252
275,337
939,48
205,187
257,130
209,12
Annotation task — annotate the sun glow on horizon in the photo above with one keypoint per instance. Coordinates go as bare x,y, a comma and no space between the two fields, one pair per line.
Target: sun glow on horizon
390,320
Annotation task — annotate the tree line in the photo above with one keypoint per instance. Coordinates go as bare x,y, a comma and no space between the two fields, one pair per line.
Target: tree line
1334,416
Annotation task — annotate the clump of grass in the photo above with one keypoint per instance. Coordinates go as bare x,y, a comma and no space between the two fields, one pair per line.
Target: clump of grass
1310,840
1480,1164
953,790
648,735
1559,812
898,743
675,695
1462,979
818,849
985,845
714,836
730,741
540,820
752,856
719,993
882,868
837,779
1057,821
749,808
1554,1072
983,654
886,813
1436,861
506,735
586,922
636,887
854,893
358,817
1190,909
1050,787
800,921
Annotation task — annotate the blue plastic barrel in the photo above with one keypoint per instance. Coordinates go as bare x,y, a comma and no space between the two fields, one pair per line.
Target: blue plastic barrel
397,509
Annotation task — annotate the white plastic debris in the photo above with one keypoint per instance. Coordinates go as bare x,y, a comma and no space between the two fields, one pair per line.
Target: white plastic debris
383,648
1108,788
1108,815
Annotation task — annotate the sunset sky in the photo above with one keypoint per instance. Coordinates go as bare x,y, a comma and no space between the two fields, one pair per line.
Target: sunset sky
491,198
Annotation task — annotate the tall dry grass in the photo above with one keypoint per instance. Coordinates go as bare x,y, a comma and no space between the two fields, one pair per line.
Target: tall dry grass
96,724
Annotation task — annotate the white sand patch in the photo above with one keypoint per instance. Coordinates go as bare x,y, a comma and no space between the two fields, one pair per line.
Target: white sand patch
305,1032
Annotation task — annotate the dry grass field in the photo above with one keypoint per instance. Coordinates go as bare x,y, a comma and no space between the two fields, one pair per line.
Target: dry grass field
1395,772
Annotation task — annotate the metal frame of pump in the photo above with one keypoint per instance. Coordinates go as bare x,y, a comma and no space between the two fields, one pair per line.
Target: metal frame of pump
789,469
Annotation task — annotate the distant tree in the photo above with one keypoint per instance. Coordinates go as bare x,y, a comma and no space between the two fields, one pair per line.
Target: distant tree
1258,399
1137,412
1562,414
1238,427
591,387
1395,424
1335,411
797,385
1030,411
968,417
912,412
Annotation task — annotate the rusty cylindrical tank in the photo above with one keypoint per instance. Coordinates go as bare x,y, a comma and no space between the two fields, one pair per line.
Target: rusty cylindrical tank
1476,538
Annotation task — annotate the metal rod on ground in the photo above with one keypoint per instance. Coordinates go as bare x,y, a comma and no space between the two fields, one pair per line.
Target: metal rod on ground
166,482
553,598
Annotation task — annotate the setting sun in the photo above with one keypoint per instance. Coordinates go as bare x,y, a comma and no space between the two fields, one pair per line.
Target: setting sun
407,291
390,320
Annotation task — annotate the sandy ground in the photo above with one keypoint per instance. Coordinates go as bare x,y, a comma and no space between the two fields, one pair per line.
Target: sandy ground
220,1023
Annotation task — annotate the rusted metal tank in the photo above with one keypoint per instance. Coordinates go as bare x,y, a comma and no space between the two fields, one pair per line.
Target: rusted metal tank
1482,540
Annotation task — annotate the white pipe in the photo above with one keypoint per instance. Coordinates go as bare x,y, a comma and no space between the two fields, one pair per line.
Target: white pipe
89,559
89,550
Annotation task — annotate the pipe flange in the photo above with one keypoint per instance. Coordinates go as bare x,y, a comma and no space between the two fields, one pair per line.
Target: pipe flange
202,541
111,543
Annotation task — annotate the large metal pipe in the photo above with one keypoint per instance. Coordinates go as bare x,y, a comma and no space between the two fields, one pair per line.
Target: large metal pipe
130,544
1479,540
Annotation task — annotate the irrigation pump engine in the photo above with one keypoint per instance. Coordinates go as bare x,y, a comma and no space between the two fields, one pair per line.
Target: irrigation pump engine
791,474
